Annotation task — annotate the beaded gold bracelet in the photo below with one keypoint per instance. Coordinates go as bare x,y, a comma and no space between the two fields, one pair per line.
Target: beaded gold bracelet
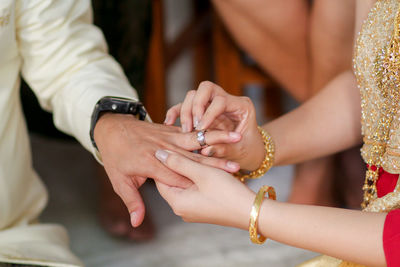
255,211
268,160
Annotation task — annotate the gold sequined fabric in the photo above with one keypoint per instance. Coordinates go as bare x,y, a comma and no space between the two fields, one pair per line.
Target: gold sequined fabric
377,64
326,261
377,68
369,58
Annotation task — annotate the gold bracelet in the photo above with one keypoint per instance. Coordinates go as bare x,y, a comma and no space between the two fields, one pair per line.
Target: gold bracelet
255,211
268,160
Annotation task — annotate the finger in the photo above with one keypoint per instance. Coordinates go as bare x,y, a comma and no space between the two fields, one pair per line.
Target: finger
166,176
189,141
172,114
222,122
219,163
169,193
239,108
214,110
184,166
217,151
128,192
186,112
205,94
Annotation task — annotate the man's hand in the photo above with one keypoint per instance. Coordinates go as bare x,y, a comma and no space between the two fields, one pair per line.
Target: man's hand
127,147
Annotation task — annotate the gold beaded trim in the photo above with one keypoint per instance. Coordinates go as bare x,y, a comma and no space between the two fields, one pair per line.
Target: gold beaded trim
388,79
268,160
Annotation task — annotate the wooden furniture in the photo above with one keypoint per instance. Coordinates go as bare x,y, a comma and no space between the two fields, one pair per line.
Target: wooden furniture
195,35
216,58
232,73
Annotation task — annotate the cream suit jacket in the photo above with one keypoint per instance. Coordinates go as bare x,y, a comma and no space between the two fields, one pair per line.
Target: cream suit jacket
63,58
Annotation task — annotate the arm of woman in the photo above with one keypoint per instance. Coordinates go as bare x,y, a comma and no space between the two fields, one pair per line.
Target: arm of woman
349,235
327,123
217,198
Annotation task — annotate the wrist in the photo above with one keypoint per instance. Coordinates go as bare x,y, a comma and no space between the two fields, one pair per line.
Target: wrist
107,123
258,152
268,148
245,210
116,105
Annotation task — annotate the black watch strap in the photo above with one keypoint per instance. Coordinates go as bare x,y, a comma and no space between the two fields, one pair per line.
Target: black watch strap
116,105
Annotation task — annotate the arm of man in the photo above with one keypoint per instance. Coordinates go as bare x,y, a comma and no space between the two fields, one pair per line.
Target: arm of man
65,62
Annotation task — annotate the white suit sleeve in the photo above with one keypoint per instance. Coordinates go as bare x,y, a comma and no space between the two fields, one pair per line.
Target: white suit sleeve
65,62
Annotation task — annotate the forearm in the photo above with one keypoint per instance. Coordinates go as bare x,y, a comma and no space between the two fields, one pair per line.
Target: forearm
345,234
65,62
326,124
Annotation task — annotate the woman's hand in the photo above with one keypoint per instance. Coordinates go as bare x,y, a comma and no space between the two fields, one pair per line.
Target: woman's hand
127,146
210,107
215,197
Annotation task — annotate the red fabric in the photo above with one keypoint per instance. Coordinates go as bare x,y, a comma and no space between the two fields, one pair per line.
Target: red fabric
386,182
391,231
391,238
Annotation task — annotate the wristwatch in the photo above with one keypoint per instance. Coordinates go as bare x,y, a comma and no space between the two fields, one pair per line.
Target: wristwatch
116,105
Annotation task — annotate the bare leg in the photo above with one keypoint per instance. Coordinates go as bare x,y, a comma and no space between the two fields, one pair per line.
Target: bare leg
331,40
331,43
274,33
311,48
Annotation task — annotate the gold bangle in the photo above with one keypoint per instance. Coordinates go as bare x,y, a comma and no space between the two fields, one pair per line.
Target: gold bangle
255,211
268,160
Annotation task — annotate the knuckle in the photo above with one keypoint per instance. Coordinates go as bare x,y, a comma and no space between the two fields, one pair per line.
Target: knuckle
220,99
187,140
190,93
171,111
174,109
223,136
246,100
192,140
197,105
186,109
220,152
206,85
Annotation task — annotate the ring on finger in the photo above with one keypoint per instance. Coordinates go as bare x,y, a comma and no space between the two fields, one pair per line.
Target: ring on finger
201,138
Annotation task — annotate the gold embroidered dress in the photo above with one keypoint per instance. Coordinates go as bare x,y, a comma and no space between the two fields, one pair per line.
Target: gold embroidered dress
377,69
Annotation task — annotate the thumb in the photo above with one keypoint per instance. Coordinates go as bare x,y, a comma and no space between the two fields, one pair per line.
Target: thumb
169,193
130,195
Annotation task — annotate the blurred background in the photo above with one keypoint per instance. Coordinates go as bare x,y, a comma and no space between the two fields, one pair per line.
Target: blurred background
166,48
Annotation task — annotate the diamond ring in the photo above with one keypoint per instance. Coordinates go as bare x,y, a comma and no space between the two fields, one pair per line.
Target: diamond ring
201,138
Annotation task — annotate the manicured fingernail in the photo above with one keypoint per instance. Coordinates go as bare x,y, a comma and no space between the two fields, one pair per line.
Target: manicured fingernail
166,120
208,151
234,135
232,165
133,219
195,122
162,155
199,126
